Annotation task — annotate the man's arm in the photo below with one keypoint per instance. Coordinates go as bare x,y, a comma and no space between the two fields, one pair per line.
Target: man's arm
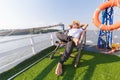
84,26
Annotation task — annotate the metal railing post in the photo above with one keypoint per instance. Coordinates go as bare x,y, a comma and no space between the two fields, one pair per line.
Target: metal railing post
52,40
32,45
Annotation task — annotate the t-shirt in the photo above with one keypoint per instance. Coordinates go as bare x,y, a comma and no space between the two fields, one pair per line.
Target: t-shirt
75,32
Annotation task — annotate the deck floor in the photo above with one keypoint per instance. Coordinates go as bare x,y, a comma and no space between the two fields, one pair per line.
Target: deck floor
93,48
92,66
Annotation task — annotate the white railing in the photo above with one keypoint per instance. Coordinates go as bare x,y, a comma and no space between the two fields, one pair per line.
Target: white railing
15,51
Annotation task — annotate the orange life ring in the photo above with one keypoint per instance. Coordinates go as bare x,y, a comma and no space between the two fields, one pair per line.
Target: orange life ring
105,5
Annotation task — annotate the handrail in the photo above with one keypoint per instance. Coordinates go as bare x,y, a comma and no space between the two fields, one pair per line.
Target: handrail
31,45
20,38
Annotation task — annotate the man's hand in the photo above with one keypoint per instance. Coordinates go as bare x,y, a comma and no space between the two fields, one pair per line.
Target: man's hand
84,26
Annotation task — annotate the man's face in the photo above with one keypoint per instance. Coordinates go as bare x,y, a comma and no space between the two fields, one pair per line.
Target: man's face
75,26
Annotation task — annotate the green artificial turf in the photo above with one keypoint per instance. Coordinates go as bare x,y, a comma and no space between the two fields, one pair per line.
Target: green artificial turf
92,66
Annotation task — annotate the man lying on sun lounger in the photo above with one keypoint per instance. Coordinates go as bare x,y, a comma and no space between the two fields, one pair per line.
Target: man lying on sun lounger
71,40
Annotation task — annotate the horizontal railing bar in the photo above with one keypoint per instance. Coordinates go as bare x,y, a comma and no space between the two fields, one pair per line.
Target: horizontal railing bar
30,36
16,39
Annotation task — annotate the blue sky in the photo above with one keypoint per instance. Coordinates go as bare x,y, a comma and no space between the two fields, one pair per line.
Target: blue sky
34,13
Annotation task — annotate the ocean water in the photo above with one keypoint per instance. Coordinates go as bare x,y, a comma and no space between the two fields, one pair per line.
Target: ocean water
92,37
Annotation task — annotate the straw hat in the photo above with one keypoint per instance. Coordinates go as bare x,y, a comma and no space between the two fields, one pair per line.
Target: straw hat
74,22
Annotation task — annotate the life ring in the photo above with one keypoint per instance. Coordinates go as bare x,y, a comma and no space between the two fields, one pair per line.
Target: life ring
105,5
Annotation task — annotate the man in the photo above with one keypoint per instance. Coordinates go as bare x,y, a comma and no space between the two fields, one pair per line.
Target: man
71,40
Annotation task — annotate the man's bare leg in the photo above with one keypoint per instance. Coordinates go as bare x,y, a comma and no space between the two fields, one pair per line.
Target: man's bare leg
64,57
75,40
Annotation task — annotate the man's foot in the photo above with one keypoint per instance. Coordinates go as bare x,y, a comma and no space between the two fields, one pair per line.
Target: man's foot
58,70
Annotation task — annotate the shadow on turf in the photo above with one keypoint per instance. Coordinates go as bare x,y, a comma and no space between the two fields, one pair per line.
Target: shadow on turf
46,70
97,59
70,71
